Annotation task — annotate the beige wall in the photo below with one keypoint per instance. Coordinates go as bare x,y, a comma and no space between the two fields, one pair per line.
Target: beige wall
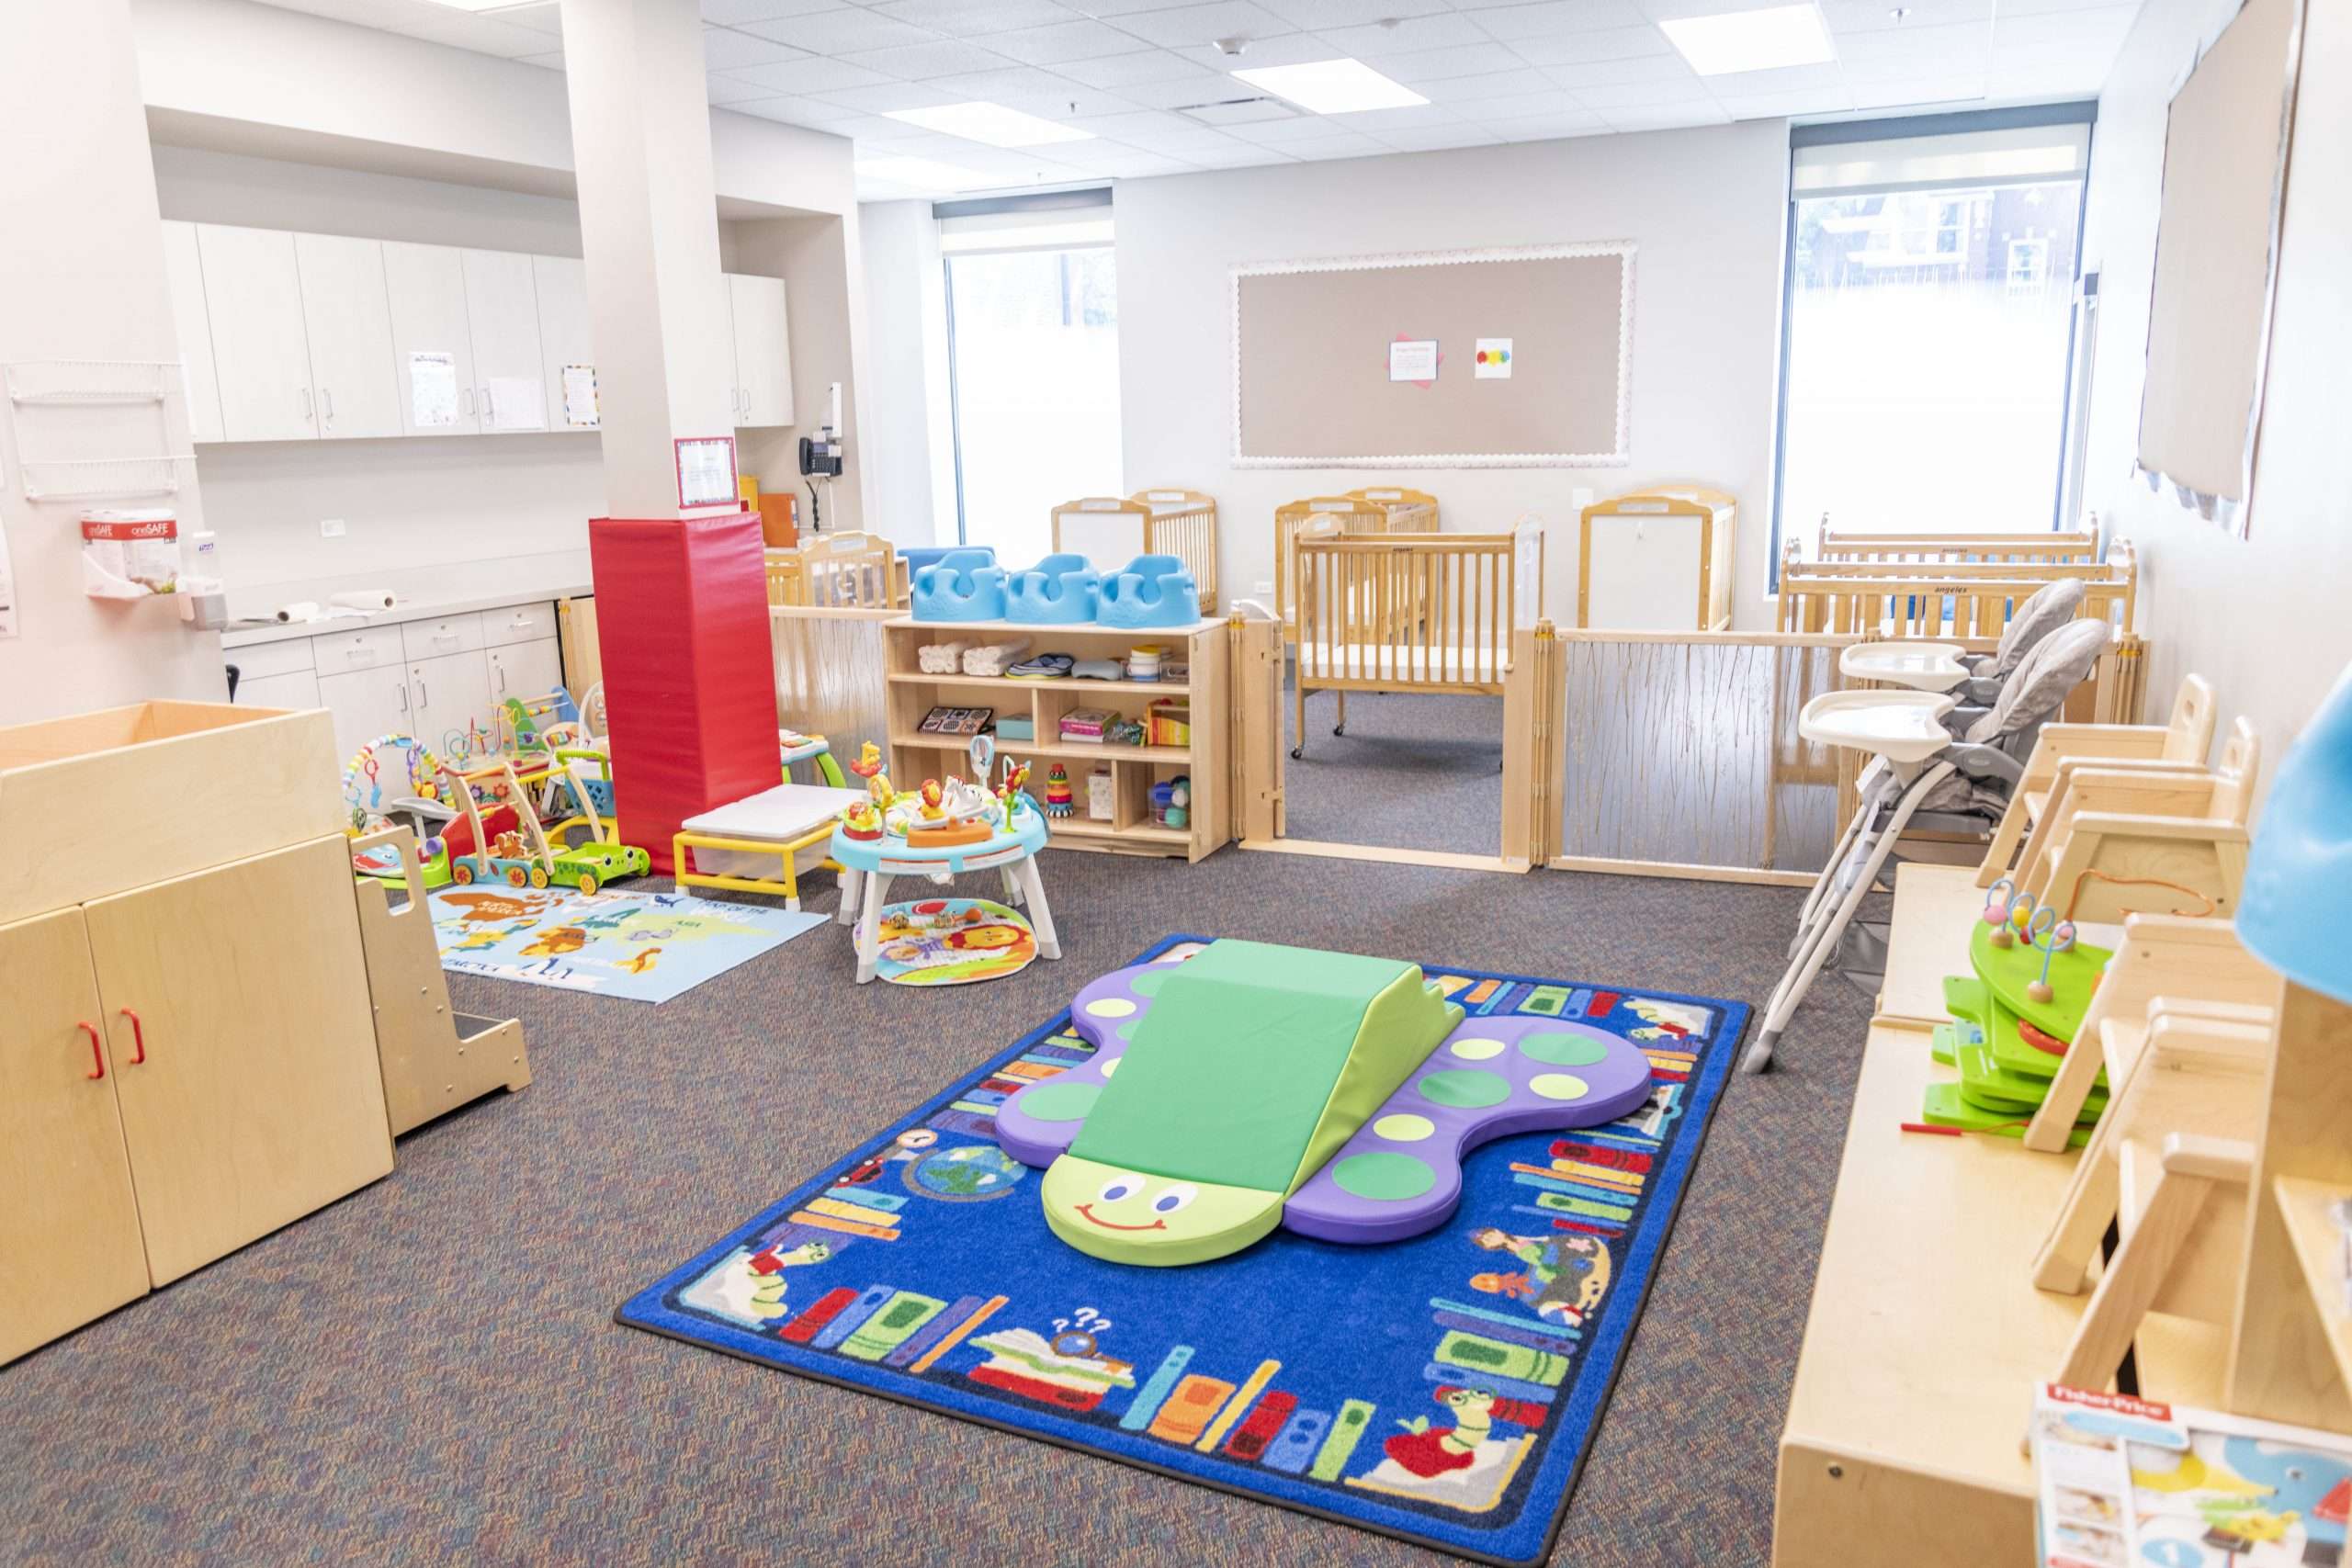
2263,617
1704,207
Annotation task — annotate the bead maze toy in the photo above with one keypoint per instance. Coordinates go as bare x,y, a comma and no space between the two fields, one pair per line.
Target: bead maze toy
1257,1086
2013,1019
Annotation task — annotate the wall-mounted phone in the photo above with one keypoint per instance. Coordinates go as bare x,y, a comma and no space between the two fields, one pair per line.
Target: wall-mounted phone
821,455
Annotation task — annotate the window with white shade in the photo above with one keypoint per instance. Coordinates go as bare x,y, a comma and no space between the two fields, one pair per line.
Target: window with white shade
1931,324
1032,312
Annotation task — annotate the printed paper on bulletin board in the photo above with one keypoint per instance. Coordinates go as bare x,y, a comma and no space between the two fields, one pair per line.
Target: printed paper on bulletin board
1311,345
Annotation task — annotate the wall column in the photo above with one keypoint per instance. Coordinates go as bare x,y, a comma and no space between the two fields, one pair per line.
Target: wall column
681,592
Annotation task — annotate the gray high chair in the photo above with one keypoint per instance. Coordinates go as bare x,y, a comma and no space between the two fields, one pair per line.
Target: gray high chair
1938,768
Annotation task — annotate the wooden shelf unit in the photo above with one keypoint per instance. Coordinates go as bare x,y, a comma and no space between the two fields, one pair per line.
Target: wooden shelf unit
1926,1338
2319,1247
1201,645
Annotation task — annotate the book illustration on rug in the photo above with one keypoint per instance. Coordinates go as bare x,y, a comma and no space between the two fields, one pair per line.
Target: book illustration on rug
642,946
1258,1084
1440,1387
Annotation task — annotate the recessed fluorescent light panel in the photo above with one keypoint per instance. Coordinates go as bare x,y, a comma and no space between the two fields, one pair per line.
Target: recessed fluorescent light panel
992,123
1751,41
1333,86
484,7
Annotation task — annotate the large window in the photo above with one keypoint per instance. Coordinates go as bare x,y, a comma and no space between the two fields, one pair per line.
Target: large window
1931,326
1032,305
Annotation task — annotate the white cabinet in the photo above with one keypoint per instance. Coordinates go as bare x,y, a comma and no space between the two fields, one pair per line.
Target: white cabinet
183,271
450,699
260,347
295,689
524,669
763,387
433,348
566,337
349,323
363,703
502,305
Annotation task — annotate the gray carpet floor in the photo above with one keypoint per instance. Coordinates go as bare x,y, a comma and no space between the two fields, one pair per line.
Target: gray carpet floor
1410,772
428,1372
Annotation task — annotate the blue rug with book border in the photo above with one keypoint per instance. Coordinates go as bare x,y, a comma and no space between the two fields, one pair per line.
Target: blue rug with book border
1444,1390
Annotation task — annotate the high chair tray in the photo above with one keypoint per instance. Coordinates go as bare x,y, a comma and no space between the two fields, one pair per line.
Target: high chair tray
1904,726
1922,666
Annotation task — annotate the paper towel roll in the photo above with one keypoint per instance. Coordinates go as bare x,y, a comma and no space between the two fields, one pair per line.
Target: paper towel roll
367,599
305,610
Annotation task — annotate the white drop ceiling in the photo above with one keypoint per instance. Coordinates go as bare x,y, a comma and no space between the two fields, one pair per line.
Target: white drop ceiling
1148,81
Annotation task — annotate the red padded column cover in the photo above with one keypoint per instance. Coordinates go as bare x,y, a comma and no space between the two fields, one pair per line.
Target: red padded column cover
681,621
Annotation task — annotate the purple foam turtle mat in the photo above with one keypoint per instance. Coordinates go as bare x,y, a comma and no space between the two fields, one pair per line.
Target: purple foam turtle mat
1424,1348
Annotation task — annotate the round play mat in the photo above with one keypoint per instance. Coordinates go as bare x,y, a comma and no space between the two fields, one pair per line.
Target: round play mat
952,942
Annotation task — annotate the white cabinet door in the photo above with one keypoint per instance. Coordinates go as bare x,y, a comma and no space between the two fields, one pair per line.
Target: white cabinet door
365,704
349,322
253,291
525,669
450,699
502,304
565,338
295,689
763,351
433,348
184,271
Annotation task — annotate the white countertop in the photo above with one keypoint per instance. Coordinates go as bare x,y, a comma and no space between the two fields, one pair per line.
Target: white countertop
424,591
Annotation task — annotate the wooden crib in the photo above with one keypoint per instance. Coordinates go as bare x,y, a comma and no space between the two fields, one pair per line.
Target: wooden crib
1349,513
1410,511
835,572
1180,523
1409,612
1953,548
1945,599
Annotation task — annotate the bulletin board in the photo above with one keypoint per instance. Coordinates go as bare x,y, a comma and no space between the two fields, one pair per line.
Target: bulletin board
1311,357
2209,322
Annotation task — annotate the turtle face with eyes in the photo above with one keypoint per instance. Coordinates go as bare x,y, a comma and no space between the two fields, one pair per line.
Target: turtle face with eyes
1184,1222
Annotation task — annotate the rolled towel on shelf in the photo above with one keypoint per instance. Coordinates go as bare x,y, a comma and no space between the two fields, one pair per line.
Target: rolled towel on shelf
993,657
941,658
367,600
301,610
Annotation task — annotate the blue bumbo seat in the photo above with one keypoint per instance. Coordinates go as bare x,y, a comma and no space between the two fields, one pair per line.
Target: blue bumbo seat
2298,899
1057,592
1151,590
963,586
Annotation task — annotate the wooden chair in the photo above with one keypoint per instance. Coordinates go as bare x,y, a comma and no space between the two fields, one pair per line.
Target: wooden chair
2179,744
2118,833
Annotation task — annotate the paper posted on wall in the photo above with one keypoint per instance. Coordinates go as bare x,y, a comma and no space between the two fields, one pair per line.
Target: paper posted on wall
432,389
580,410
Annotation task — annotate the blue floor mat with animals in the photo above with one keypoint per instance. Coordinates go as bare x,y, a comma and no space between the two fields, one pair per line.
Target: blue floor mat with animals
1442,1389
643,946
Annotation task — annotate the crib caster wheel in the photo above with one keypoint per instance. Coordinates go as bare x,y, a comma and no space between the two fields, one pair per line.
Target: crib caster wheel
1759,1055
1338,730
1298,753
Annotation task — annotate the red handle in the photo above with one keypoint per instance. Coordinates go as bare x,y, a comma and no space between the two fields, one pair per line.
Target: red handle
138,1038
98,1057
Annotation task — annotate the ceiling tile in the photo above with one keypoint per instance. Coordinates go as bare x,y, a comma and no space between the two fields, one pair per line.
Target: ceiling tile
840,32
1783,79
1435,64
2023,7
1527,107
1581,48
1119,162
547,19
1873,16
811,76
1920,92
1557,18
1449,30
727,13
971,19
1380,122
1064,41
1276,133
1499,85
1659,69
888,97
1666,116
1124,127
1290,48
723,48
995,86
1243,111
798,110
1547,127
1668,10
1119,72
1188,143
1343,145
1109,8
1243,155
1195,25
725,90
921,61
1067,100
1208,88
1438,138
1775,106
1636,94
2104,29
1889,52
1321,14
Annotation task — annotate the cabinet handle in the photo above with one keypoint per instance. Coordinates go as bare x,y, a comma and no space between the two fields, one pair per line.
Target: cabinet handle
307,416
423,698
502,675
470,399
403,696
326,401
138,1038
489,407
98,1057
